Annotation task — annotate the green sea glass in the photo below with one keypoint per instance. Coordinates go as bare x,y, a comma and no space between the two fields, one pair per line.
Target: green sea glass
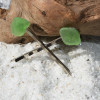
19,26
70,36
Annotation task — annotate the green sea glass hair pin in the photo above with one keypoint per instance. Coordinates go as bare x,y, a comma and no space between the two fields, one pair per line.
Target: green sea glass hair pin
70,36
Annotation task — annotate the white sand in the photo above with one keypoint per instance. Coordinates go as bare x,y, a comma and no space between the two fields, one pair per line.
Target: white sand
40,78
5,4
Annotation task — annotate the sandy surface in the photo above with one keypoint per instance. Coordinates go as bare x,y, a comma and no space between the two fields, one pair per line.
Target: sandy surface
5,4
39,78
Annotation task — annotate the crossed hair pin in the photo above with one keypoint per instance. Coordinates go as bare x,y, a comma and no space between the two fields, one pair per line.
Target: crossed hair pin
69,36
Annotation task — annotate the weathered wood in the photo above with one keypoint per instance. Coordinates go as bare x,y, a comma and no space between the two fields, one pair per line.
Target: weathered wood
48,16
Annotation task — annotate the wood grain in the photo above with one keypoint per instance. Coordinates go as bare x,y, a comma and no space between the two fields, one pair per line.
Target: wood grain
48,16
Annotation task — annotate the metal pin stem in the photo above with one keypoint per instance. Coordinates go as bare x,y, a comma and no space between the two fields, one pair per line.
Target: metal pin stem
33,35
35,50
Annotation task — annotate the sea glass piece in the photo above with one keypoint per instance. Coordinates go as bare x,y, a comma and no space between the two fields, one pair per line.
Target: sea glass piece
19,26
70,36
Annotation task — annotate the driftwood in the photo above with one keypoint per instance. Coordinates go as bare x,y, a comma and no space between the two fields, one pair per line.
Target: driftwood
48,16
